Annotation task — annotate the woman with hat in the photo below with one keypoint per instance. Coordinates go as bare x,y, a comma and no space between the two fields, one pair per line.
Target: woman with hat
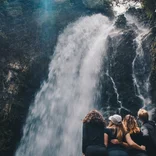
117,139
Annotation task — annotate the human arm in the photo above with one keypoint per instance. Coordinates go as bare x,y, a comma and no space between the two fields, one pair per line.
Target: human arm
106,139
116,141
132,144
124,144
84,138
107,135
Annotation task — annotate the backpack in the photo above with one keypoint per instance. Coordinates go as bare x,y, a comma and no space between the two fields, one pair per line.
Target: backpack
151,127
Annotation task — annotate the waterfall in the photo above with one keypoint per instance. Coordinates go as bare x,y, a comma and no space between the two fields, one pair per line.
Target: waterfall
140,69
141,84
117,95
53,126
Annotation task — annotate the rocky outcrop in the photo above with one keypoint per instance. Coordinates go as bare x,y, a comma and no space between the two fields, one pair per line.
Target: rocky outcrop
153,72
149,45
21,72
121,22
140,15
118,72
117,81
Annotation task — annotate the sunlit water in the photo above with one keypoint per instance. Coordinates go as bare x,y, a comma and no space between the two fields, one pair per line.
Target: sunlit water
53,126
141,70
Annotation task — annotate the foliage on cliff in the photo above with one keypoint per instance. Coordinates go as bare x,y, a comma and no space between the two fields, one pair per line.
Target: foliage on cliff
150,7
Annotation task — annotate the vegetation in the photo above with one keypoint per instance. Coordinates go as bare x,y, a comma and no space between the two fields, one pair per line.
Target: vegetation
150,7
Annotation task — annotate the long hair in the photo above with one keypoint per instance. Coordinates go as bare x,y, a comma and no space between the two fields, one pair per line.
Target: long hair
130,124
94,116
120,130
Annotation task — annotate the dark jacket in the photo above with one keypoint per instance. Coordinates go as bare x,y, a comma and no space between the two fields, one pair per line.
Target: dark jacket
93,134
145,129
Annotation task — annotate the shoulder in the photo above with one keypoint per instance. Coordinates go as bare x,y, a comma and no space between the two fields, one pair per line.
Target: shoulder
85,125
126,132
149,124
108,131
136,134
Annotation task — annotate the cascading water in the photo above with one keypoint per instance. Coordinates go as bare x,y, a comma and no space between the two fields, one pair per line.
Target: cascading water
117,94
53,126
141,84
140,68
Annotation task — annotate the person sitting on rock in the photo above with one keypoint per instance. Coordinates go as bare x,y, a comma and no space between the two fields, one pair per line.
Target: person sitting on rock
132,128
116,138
93,134
148,129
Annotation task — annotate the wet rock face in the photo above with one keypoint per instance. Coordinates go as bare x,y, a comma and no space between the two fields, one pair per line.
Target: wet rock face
153,72
117,82
149,46
121,22
117,76
140,15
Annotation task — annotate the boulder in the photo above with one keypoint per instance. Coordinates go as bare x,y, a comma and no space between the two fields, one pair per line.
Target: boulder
121,22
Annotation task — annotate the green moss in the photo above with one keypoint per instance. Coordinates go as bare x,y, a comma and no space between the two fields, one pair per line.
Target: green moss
150,7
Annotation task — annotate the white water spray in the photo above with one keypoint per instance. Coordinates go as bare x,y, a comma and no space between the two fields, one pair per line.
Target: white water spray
140,74
121,6
142,88
53,126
